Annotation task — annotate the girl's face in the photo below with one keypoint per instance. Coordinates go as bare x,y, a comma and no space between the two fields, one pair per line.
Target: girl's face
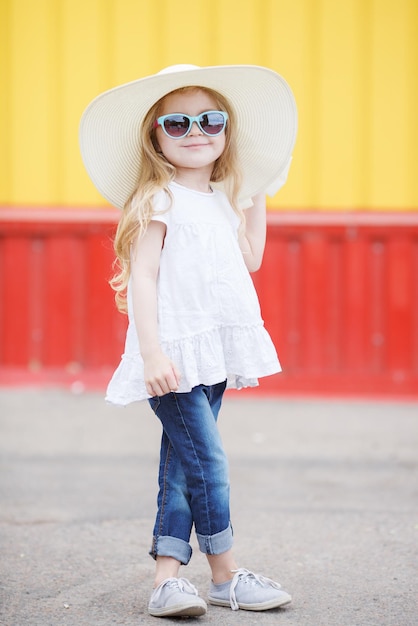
196,152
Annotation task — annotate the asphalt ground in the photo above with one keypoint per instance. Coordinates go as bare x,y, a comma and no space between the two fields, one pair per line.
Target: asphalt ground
324,500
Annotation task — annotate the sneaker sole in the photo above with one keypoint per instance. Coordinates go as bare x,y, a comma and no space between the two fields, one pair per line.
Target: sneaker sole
261,606
178,610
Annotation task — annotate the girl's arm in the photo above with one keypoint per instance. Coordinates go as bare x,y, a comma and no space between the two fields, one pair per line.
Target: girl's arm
252,240
161,375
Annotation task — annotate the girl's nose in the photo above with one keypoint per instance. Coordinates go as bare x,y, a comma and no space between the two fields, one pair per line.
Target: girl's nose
195,130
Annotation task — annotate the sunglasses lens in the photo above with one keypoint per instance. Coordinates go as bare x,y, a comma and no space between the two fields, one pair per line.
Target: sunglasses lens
176,125
212,123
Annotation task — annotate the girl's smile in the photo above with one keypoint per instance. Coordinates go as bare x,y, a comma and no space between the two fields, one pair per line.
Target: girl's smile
195,145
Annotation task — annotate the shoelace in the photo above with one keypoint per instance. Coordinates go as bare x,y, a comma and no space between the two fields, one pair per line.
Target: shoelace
247,577
182,584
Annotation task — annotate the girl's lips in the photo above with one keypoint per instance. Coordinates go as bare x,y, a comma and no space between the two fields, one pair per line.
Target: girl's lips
195,145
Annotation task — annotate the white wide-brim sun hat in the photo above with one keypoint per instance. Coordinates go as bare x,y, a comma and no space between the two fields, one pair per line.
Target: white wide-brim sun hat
261,99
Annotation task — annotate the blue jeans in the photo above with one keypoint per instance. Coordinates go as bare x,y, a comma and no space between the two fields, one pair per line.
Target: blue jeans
193,475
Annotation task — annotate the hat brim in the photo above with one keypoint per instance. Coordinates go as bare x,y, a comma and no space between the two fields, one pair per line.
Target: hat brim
266,120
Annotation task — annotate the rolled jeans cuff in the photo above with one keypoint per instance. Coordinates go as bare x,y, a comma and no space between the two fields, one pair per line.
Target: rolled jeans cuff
216,544
171,546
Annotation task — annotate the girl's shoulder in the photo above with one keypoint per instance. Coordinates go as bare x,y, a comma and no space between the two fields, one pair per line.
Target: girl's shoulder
161,204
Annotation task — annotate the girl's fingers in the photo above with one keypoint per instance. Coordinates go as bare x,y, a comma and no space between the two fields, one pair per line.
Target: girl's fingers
177,376
160,388
173,380
160,384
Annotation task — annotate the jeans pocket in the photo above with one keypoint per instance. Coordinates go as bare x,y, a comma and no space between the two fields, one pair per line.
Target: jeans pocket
154,403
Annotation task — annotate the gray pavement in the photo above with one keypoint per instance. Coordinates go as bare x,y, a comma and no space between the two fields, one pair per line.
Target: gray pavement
324,499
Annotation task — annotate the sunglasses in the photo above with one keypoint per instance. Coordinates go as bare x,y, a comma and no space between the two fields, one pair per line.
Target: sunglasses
178,125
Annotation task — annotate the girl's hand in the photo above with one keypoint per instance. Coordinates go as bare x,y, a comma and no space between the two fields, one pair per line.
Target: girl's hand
160,374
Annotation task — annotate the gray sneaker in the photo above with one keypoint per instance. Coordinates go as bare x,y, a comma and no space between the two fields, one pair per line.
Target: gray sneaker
248,591
176,597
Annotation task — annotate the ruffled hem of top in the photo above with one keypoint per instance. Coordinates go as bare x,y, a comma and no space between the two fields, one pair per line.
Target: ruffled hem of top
239,355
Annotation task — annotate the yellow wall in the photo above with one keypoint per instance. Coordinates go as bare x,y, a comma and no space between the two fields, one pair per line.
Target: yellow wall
351,63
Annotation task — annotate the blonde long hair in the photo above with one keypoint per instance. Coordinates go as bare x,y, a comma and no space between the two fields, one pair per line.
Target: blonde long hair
155,174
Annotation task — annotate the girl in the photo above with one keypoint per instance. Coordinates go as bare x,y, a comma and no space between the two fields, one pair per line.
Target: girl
181,152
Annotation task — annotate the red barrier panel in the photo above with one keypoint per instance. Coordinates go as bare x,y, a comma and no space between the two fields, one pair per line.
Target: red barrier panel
57,317
339,295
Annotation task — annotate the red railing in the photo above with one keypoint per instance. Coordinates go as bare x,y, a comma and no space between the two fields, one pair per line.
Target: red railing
339,295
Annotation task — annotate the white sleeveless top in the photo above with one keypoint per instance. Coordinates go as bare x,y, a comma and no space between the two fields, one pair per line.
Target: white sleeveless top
209,316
